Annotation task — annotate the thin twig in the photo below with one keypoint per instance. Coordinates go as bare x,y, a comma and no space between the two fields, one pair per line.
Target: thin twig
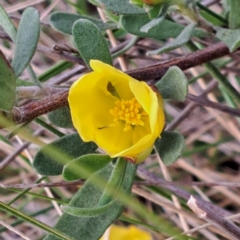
232,217
136,183
183,114
205,212
20,149
11,228
206,103
152,178
42,185
199,57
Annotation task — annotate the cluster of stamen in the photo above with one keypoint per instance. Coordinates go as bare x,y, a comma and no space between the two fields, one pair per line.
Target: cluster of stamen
129,111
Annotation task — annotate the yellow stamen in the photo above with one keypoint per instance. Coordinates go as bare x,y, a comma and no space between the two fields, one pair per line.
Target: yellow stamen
129,111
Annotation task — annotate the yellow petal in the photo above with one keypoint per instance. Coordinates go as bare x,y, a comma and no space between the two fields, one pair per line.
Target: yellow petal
113,139
141,93
133,151
90,104
127,233
118,79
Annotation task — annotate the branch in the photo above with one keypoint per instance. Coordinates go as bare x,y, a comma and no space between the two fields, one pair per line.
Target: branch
214,105
207,213
37,108
199,57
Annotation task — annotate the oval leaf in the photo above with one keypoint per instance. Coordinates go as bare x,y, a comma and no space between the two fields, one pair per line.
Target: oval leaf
90,42
164,29
173,85
27,39
87,212
90,163
72,145
182,39
122,7
61,117
63,22
8,85
231,37
88,196
7,24
170,146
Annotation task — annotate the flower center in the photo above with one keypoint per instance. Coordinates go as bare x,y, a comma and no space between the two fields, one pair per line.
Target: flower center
129,111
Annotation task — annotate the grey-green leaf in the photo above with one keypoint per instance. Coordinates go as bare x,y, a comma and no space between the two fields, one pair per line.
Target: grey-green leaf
154,22
63,22
86,228
115,181
61,117
170,146
90,163
7,24
173,85
71,145
234,18
231,37
122,7
8,85
90,42
163,30
27,39
182,39
87,212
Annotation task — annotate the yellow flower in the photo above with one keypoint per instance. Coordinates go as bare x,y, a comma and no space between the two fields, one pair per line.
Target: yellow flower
126,233
122,115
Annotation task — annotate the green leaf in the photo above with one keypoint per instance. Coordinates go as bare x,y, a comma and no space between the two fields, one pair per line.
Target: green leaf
91,162
169,146
72,145
86,228
61,117
8,85
163,30
182,39
122,7
90,42
151,24
87,212
27,39
173,85
63,22
231,37
234,19
7,24
115,181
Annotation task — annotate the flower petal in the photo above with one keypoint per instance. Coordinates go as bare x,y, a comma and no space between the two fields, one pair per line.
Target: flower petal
118,79
114,140
90,105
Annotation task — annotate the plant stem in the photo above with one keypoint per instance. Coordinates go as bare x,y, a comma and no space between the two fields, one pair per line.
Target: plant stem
218,75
